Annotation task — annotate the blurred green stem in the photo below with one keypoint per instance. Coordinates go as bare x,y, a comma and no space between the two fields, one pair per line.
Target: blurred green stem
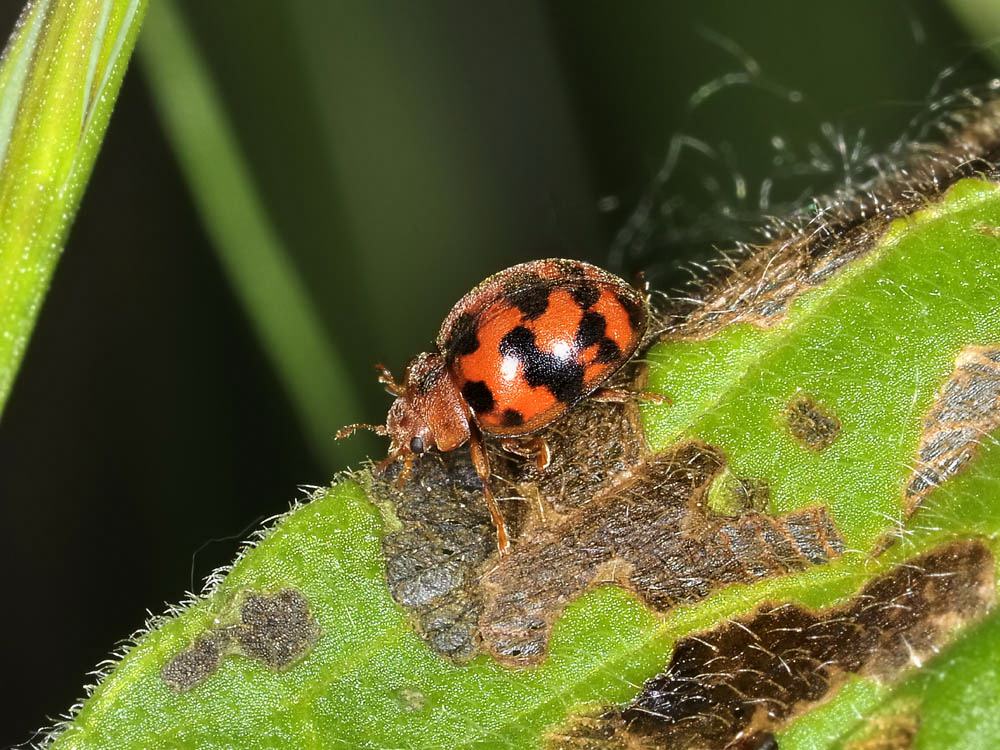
59,79
251,253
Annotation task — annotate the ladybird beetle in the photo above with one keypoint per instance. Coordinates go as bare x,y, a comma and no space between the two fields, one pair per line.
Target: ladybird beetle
512,356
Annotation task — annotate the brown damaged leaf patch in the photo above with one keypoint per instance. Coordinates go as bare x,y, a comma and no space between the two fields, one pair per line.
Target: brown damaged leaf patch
197,662
441,542
275,629
804,251
965,410
810,423
638,520
735,685
593,447
653,534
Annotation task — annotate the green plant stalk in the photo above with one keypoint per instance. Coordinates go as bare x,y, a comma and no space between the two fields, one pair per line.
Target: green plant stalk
249,249
59,79
908,304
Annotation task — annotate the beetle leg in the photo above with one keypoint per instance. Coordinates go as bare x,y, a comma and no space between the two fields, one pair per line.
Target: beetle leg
386,462
536,447
481,462
382,466
385,378
622,396
407,469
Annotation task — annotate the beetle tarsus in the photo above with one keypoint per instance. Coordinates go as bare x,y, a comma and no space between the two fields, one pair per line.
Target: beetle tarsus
623,396
503,541
534,448
650,397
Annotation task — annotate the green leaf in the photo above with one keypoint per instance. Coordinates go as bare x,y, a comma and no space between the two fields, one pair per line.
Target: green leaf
59,78
871,346
261,271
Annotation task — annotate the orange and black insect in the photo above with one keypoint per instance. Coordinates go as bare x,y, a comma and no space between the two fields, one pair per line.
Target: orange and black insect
512,356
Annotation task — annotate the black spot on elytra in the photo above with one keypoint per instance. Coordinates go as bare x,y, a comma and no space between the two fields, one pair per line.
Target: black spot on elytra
532,300
563,377
636,311
608,352
585,294
512,418
520,343
478,396
591,329
520,281
462,339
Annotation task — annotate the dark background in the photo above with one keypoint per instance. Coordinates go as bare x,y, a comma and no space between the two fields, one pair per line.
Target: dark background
403,151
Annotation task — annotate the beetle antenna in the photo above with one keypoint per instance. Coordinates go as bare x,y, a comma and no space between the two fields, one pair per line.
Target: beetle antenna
343,432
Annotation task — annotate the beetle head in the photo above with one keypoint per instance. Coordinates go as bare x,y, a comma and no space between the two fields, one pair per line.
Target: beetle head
428,413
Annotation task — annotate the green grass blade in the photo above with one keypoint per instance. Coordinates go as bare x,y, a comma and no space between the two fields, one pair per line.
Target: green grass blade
258,266
59,78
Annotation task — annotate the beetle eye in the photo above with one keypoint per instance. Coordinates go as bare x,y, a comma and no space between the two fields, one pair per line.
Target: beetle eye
417,445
